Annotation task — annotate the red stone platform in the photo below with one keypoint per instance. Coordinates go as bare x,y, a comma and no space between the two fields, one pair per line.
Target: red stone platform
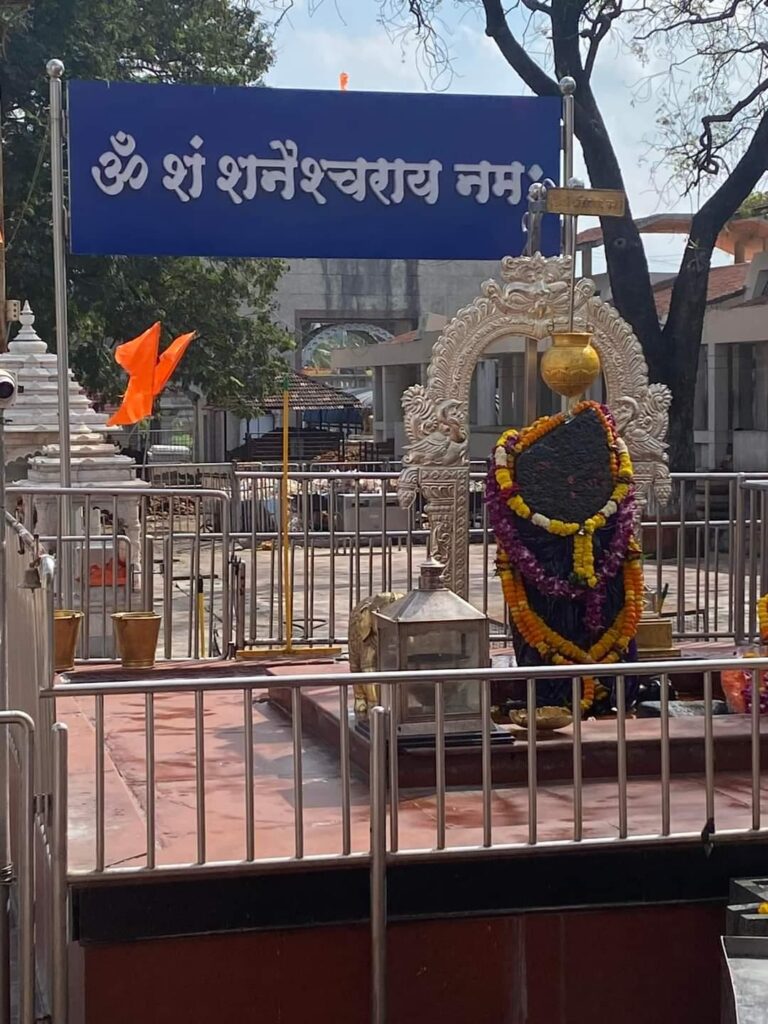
416,764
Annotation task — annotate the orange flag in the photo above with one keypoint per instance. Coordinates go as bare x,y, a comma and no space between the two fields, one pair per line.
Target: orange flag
139,359
169,360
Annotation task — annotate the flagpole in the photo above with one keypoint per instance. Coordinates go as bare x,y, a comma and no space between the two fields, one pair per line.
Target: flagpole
287,582
55,70
289,648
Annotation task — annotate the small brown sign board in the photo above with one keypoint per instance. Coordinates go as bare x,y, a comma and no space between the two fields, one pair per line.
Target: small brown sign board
586,202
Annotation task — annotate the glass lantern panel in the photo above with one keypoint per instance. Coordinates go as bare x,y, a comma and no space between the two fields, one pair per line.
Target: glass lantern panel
388,648
442,648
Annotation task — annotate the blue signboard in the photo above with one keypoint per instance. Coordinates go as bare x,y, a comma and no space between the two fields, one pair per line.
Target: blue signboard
197,170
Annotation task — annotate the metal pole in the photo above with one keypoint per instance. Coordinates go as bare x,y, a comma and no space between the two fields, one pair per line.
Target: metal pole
59,865
55,70
739,555
378,784
567,89
6,867
285,518
3,322
537,207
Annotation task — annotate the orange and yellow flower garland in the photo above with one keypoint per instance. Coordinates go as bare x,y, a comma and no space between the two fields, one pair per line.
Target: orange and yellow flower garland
762,618
554,648
557,649
582,533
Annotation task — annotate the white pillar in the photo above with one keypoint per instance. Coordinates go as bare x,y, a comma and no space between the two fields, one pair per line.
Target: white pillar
512,388
718,388
482,401
378,403
760,391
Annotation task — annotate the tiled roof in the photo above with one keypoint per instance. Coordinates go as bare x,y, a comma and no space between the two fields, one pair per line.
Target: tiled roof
402,339
590,235
758,300
724,283
308,393
746,233
656,224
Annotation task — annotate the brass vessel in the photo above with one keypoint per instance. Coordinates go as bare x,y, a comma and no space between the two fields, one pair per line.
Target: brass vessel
571,364
66,630
136,634
654,638
547,719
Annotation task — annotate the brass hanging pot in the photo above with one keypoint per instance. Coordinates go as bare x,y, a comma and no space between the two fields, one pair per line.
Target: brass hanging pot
571,365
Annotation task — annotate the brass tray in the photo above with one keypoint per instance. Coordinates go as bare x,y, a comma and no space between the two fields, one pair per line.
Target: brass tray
547,719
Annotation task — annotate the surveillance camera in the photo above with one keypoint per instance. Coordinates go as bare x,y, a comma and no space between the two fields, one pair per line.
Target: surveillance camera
8,389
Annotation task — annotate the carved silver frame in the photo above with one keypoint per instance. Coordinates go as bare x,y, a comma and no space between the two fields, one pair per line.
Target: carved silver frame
532,297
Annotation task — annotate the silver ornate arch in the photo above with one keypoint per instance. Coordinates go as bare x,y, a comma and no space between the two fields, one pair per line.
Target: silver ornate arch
532,296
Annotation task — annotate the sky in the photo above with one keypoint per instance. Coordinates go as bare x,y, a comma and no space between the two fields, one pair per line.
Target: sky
318,39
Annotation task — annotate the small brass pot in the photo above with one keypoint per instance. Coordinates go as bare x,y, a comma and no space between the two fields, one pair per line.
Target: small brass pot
136,634
571,364
66,630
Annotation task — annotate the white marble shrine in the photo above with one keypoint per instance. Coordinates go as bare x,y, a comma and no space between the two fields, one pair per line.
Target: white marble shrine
32,453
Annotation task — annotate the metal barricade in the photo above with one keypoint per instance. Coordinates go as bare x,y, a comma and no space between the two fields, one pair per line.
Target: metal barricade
38,844
191,700
30,589
162,707
349,539
146,548
750,554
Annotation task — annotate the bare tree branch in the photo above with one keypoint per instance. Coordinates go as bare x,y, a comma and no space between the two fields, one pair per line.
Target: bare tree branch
711,19
536,5
497,28
601,25
706,162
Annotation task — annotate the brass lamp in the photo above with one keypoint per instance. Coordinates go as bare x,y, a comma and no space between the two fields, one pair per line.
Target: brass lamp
432,628
654,632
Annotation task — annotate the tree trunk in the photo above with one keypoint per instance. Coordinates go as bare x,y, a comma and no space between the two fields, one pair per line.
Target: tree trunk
673,356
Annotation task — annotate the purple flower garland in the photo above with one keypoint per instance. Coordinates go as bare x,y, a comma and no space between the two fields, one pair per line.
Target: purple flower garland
502,521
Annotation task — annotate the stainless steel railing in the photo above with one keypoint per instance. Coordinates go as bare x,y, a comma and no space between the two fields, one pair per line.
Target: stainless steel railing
350,539
38,771
30,587
200,696
145,559
713,555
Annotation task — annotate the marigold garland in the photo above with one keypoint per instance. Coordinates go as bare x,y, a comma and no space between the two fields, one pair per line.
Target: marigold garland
762,618
557,649
621,470
503,491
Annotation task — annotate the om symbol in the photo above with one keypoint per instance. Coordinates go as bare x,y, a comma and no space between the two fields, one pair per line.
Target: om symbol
120,167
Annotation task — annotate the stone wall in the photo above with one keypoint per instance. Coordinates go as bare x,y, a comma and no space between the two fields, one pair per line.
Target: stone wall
391,293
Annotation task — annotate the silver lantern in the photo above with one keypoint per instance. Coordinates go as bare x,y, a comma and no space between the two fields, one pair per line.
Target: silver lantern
432,628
